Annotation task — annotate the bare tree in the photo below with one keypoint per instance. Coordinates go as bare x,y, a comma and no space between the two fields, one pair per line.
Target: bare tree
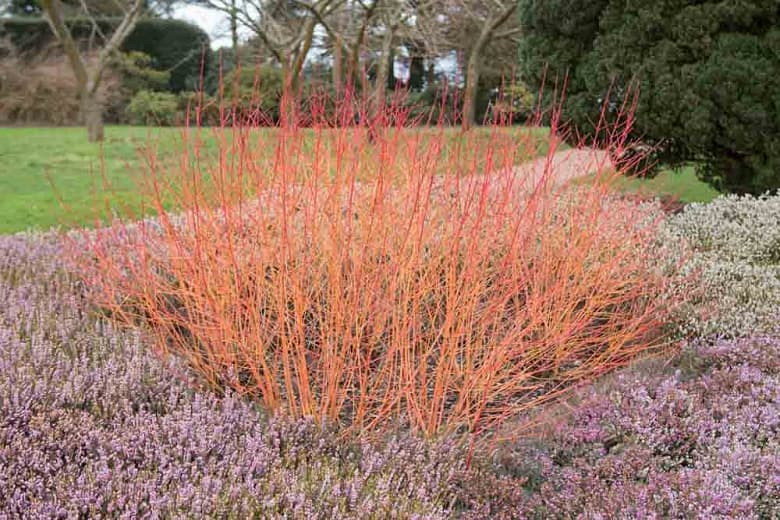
486,22
347,28
393,15
285,28
376,26
89,71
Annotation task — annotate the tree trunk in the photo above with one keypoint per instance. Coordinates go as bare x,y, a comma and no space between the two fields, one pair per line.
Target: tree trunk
296,67
337,69
88,81
472,69
92,116
430,74
416,73
287,100
382,74
470,92
472,75
234,27
377,100
354,72
391,81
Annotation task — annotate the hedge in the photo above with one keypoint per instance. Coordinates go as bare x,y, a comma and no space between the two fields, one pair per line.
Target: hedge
173,45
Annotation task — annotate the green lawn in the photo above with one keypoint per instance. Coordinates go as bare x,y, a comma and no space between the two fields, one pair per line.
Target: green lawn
681,184
38,166
45,170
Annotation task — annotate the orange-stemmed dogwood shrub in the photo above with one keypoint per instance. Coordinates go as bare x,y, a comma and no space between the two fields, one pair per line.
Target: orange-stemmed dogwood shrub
359,270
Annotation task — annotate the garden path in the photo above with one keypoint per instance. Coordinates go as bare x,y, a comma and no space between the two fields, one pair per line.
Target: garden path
565,166
554,169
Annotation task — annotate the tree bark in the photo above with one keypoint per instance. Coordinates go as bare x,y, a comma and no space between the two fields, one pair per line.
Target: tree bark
92,116
468,119
234,27
472,68
300,57
337,69
390,81
430,74
382,73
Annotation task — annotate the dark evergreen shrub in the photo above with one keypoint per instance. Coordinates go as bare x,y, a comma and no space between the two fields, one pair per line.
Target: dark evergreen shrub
707,73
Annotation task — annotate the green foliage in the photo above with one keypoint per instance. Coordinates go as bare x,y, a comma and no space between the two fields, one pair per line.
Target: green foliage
257,88
557,34
135,69
154,108
200,108
32,8
515,102
706,71
22,8
175,46
222,61
505,103
434,104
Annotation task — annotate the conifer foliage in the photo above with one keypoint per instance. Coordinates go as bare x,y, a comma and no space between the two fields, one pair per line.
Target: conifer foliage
708,73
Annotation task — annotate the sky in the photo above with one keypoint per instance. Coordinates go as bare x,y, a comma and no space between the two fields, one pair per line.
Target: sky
213,22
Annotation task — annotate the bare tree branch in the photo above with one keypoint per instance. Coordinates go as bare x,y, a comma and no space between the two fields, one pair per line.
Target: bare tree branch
484,19
89,75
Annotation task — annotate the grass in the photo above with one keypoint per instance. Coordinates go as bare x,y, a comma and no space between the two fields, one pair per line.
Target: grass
47,169
681,184
42,164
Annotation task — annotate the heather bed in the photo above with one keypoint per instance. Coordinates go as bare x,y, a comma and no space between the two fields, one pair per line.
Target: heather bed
330,328
92,423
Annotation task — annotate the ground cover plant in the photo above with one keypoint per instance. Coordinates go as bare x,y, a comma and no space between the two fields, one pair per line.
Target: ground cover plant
736,253
93,424
335,305
694,437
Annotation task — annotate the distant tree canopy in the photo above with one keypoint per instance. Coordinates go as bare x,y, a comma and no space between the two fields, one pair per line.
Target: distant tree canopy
23,8
465,48
105,8
173,45
708,74
179,47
